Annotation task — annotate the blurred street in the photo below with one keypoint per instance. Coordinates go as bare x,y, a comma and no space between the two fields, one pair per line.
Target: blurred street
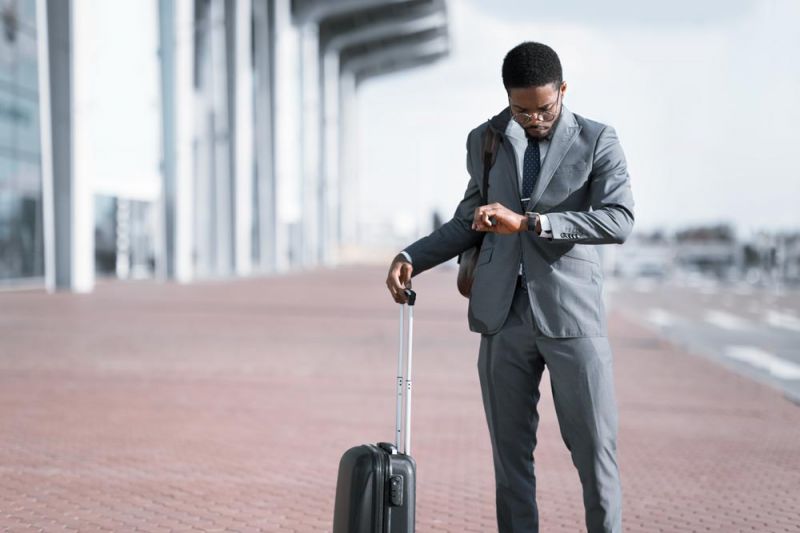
225,406
753,330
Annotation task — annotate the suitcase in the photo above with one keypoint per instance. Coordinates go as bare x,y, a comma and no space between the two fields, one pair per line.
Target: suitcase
375,489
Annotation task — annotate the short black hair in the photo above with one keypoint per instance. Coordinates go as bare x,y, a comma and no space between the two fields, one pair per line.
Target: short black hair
531,64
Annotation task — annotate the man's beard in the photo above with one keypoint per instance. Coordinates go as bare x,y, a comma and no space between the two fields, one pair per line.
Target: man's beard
545,133
537,133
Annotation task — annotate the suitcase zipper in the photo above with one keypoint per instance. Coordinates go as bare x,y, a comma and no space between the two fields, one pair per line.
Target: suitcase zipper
381,469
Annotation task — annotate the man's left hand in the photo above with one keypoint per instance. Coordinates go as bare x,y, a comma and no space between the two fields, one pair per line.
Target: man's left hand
505,221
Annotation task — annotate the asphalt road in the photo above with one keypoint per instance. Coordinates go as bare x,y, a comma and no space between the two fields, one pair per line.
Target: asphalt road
752,330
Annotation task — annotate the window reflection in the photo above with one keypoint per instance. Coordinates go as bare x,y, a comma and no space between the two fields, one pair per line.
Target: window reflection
21,233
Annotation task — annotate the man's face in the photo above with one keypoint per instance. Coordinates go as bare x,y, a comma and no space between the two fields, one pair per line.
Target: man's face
542,103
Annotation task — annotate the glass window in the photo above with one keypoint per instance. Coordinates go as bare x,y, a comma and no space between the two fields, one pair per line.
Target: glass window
21,232
21,244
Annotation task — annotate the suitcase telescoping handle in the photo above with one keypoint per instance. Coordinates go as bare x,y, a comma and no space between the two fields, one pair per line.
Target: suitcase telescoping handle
405,433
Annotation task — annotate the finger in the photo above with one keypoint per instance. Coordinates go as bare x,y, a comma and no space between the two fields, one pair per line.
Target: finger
390,289
405,275
393,283
401,297
476,218
397,295
397,287
485,214
481,225
399,283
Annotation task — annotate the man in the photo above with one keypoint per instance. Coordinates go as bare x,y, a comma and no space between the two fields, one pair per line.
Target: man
558,187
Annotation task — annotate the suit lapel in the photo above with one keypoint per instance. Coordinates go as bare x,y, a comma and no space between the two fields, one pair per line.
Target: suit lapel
565,134
511,171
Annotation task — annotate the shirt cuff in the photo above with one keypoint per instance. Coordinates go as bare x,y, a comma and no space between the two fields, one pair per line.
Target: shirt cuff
408,257
547,229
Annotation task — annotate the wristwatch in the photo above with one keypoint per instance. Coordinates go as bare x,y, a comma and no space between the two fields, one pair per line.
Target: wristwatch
533,218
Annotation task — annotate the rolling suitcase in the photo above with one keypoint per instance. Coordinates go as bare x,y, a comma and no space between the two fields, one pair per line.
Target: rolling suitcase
375,489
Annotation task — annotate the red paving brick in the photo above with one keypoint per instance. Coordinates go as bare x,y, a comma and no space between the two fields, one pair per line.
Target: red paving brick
225,407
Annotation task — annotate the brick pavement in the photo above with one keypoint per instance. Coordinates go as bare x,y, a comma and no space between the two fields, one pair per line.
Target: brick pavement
225,407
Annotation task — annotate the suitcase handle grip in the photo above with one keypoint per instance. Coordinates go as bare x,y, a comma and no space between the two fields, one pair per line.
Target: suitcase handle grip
411,295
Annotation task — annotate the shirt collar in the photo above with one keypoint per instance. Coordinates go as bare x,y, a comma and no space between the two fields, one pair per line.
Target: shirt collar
515,131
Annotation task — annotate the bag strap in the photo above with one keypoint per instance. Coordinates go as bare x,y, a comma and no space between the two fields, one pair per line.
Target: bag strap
489,156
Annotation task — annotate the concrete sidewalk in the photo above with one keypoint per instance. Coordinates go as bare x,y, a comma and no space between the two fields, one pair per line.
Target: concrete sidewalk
226,407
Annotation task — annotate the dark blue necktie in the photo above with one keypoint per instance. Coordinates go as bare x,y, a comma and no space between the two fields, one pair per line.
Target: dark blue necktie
530,171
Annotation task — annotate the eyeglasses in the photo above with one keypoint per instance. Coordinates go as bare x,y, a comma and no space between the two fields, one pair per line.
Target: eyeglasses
523,119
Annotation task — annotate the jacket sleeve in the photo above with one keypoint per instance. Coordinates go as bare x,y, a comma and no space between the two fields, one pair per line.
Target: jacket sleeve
610,219
456,235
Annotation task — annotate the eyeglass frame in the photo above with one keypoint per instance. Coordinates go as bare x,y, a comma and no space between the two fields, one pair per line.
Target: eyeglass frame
540,115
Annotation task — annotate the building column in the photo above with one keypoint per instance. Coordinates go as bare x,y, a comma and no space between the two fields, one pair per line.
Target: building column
330,208
348,161
242,125
46,140
266,207
176,47
311,124
72,220
165,268
288,144
221,138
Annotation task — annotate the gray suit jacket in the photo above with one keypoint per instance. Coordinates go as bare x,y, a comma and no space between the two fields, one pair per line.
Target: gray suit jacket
584,189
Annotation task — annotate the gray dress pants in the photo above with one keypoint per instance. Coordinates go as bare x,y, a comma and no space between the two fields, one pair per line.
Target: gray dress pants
510,366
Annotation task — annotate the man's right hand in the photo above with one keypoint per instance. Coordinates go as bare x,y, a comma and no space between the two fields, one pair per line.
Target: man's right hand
399,278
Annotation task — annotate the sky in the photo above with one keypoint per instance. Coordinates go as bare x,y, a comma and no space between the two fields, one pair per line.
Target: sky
703,94
119,145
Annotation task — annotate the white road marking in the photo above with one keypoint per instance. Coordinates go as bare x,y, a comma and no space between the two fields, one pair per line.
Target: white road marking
782,320
725,320
660,317
759,358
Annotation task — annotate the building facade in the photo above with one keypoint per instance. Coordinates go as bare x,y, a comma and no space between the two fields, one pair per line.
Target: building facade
254,170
